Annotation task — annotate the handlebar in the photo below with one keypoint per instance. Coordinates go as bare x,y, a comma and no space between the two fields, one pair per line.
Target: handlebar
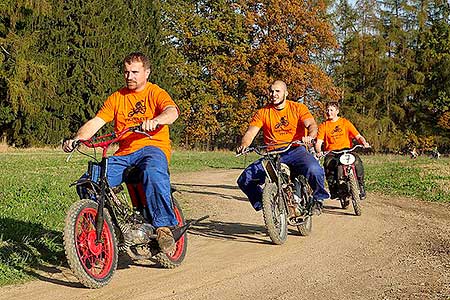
106,140
260,150
344,150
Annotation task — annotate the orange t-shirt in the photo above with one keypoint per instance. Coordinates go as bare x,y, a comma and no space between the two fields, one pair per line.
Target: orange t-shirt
285,125
337,135
128,108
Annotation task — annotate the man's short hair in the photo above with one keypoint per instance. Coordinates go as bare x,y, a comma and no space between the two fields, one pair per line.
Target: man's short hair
332,103
137,56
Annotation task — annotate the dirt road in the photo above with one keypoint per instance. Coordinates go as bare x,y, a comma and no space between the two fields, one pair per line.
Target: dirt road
398,249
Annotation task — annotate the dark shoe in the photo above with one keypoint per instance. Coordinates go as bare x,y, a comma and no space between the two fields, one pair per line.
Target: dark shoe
333,194
165,239
257,206
317,207
362,192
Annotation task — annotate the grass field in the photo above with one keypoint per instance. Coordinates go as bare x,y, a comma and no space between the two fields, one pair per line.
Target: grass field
35,194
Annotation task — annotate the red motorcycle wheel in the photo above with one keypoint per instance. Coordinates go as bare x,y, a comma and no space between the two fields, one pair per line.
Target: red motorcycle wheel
175,258
92,263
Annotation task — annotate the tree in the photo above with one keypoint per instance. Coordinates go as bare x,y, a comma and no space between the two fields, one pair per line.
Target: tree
234,49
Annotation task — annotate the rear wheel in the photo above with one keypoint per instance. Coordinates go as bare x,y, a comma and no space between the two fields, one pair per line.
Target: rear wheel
354,191
306,195
305,228
344,203
175,258
91,262
275,215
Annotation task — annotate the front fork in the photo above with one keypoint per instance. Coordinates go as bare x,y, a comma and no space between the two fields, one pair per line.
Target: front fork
101,202
348,171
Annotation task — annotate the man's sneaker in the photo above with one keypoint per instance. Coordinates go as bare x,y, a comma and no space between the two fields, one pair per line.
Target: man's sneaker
165,239
317,207
257,206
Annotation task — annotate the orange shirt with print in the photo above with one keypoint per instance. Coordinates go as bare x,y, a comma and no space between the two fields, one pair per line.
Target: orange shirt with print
337,135
285,125
129,108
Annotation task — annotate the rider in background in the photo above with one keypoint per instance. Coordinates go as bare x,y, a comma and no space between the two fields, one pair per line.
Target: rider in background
283,121
140,102
337,133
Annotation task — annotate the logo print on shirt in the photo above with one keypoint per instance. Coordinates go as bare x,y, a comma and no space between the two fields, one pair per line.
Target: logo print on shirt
336,129
140,108
283,122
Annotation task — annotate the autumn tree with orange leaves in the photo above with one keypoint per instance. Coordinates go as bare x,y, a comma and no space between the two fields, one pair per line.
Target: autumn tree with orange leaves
235,50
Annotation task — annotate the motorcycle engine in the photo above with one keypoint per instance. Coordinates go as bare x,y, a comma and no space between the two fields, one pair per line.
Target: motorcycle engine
137,233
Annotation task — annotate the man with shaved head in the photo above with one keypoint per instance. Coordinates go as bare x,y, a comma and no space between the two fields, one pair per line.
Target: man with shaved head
283,121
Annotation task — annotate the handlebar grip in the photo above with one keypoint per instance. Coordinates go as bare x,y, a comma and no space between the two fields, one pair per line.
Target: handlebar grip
75,144
137,127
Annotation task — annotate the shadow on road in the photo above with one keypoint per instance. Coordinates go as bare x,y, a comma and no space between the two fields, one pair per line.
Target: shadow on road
241,232
197,189
219,186
335,210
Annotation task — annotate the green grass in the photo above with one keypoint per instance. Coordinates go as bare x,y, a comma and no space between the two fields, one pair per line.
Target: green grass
35,194
423,178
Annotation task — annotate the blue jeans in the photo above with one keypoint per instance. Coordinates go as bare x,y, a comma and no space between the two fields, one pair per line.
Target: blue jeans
299,161
156,181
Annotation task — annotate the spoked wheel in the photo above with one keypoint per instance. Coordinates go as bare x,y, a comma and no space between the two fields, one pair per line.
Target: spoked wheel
354,191
306,196
175,258
305,228
275,215
91,262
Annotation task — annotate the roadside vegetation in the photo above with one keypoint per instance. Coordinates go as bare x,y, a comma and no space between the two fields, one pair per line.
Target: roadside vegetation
35,194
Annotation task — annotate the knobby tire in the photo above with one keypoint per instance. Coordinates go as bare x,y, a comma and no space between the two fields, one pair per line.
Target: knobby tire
354,191
174,259
274,213
305,228
92,263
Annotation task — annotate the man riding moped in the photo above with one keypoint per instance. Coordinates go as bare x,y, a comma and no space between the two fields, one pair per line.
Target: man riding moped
145,103
283,121
337,133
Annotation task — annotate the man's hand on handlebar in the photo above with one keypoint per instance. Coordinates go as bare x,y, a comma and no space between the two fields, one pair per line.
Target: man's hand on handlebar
366,145
319,155
308,140
241,149
69,144
149,125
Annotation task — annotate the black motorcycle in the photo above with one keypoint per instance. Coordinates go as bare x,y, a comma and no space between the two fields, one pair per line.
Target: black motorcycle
286,200
346,180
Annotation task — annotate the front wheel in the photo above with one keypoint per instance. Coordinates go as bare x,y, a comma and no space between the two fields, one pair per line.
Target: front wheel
175,258
275,215
91,262
354,191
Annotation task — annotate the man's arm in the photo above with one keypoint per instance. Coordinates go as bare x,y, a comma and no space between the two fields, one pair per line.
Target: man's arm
85,132
167,117
311,125
318,146
362,141
248,138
